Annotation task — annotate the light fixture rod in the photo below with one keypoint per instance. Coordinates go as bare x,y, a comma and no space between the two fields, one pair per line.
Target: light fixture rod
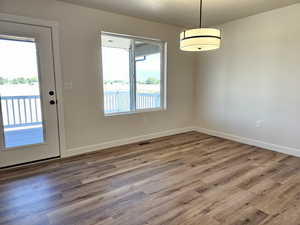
201,6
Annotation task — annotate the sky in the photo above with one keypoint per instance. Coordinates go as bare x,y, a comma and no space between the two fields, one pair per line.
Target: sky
115,63
18,59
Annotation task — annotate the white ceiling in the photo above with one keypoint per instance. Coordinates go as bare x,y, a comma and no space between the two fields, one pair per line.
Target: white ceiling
186,12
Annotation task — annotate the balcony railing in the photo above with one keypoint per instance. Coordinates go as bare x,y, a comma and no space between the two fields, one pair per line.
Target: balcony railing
115,101
21,111
24,111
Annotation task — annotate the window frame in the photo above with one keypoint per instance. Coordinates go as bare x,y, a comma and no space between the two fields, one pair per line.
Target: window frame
132,75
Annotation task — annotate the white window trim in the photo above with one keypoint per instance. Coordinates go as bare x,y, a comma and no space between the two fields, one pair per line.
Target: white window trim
163,76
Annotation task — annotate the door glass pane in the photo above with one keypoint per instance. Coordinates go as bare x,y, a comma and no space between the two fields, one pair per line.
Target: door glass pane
148,75
20,92
116,69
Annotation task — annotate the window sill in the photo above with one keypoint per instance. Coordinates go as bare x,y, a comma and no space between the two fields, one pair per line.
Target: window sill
134,112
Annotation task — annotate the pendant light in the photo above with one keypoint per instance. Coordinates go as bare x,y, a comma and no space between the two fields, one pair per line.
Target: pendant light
200,39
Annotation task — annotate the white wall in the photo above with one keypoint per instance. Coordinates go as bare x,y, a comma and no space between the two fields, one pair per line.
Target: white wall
79,41
254,76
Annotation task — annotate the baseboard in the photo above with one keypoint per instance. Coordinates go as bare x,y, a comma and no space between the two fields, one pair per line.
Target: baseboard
109,144
253,142
244,140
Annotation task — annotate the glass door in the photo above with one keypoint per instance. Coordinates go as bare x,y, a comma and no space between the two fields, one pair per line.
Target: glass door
20,92
28,115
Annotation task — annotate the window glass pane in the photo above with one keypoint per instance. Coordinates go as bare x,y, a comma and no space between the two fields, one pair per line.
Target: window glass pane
20,92
132,73
116,70
148,75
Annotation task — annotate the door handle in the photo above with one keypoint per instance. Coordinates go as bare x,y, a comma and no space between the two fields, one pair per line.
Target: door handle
52,102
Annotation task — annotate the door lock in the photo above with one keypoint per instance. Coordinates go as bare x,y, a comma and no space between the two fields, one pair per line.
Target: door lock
52,102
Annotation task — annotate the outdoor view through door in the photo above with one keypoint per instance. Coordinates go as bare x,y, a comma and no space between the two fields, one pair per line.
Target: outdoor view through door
20,92
133,74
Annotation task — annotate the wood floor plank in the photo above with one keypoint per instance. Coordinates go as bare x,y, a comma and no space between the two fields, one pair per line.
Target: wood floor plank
184,179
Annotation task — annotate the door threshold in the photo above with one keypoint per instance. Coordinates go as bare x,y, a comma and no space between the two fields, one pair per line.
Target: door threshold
20,165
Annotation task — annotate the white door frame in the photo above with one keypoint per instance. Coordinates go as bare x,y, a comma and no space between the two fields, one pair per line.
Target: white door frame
54,26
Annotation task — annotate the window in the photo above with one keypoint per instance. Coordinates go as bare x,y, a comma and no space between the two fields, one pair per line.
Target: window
20,92
133,74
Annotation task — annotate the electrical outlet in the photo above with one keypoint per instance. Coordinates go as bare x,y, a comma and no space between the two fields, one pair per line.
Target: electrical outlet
259,123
